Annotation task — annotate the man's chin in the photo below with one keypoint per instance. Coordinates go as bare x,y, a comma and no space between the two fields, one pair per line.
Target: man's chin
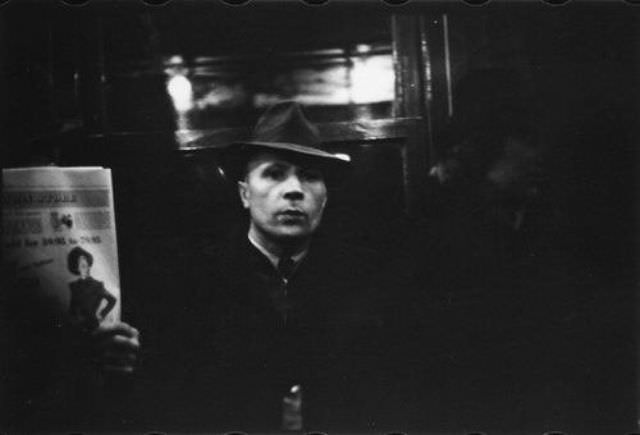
291,233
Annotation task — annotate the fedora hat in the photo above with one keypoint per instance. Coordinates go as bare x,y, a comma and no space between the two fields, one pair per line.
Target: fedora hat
283,129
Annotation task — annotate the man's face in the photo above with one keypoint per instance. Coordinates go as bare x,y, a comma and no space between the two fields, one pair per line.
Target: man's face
285,200
515,174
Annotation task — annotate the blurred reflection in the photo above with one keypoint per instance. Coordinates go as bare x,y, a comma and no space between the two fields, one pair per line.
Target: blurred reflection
181,92
372,79
208,92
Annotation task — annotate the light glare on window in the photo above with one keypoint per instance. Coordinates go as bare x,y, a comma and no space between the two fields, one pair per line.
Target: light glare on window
181,92
372,79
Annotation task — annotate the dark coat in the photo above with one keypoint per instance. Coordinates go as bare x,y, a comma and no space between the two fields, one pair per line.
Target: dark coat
235,345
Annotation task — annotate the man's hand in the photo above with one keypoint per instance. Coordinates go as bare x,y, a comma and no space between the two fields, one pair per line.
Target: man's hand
116,347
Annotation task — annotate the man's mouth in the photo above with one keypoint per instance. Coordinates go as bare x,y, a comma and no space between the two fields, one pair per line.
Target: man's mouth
292,214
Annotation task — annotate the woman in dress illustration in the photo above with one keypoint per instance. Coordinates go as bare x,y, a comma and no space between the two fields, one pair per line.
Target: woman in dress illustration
90,301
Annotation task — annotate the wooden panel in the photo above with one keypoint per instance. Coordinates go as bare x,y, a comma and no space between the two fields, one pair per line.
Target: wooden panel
436,70
411,102
407,65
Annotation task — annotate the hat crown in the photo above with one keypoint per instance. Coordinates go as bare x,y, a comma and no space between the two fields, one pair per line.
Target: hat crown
283,129
285,122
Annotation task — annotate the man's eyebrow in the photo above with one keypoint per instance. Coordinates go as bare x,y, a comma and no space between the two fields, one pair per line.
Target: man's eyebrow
277,165
284,163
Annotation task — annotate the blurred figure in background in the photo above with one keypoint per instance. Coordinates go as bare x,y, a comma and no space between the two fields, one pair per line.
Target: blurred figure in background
505,262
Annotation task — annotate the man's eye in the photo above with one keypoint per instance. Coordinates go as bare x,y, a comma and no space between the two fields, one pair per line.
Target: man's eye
311,175
274,172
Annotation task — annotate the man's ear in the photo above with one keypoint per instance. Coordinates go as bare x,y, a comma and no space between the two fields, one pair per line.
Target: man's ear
243,191
324,203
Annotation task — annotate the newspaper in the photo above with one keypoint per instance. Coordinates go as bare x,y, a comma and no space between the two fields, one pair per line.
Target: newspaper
59,241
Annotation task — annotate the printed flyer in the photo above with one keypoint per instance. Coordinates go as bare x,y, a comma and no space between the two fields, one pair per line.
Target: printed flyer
59,241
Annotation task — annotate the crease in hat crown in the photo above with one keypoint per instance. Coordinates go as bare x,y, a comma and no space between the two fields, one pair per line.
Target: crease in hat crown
284,126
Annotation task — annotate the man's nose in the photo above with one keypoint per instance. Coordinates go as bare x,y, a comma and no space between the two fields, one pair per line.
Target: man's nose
293,188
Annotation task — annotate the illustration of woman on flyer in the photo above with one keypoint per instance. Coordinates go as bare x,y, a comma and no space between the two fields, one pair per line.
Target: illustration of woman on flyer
90,301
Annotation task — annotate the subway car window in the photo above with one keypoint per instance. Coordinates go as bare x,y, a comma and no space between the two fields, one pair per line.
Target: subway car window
218,79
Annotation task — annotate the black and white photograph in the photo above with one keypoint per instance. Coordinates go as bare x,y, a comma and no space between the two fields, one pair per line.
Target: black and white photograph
333,217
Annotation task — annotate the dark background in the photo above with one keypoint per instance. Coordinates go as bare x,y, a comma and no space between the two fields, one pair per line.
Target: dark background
84,85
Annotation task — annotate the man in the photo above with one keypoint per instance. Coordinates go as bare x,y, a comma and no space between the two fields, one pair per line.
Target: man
277,326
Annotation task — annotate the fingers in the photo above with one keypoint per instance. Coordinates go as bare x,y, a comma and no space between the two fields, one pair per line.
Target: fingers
117,342
112,357
117,328
117,347
118,362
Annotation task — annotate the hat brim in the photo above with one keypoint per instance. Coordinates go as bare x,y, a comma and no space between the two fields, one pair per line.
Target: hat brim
234,158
